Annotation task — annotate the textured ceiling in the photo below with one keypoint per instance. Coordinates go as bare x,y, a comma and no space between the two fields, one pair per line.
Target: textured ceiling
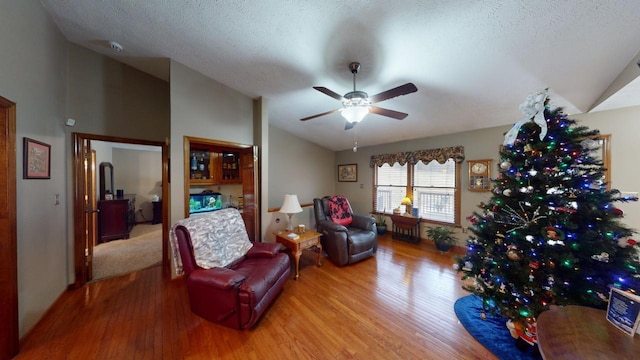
473,61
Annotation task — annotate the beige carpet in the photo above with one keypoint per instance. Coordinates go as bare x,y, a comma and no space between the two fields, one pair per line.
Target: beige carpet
142,250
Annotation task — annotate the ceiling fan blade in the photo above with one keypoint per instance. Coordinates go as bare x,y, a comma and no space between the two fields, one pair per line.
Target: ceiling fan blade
318,115
386,112
405,89
326,91
349,125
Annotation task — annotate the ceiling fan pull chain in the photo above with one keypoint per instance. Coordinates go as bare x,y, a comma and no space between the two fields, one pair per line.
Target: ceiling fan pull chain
355,139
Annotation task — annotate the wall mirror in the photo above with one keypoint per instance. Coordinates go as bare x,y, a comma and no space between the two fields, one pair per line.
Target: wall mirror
106,181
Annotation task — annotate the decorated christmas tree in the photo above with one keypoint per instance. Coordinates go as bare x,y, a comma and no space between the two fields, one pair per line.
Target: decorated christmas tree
550,234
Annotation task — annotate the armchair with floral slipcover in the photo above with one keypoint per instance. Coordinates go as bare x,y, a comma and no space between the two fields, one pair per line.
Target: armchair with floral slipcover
230,280
346,237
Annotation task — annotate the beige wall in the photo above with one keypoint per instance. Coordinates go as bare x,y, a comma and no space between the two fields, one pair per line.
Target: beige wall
481,144
106,97
625,149
51,80
139,172
32,74
484,144
298,167
204,108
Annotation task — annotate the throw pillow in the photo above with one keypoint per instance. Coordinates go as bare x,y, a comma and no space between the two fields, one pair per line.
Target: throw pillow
339,210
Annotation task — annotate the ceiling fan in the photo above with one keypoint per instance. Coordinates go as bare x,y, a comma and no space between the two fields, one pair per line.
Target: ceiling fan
357,104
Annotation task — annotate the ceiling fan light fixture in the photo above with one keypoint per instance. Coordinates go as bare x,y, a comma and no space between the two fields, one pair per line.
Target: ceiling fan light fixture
357,104
354,113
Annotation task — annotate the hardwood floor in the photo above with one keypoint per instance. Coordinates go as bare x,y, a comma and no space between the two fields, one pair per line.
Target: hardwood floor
397,305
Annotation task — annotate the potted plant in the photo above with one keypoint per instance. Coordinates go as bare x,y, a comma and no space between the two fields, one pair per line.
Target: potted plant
442,236
381,223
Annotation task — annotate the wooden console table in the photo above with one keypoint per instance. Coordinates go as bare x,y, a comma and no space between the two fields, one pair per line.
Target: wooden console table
579,332
406,228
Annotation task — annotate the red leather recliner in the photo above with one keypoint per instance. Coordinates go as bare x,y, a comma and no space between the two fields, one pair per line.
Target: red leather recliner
236,295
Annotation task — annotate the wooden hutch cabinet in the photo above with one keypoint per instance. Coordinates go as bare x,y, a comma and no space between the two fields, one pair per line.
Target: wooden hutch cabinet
210,166
230,166
208,163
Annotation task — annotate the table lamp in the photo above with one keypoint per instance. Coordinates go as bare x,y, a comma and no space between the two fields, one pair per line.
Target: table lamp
290,206
407,203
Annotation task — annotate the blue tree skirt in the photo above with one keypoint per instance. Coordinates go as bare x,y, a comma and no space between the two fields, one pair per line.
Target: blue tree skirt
492,332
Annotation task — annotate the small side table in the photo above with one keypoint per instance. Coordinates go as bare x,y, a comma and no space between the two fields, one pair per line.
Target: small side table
406,228
305,240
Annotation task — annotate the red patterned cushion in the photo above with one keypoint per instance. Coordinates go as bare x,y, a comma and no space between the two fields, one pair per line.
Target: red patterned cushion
339,210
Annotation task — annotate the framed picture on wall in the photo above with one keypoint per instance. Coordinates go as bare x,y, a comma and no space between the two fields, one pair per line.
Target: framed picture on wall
348,172
36,159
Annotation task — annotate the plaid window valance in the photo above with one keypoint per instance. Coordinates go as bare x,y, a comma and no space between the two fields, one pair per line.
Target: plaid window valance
412,157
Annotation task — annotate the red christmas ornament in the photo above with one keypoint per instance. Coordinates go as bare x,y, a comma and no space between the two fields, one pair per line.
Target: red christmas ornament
529,333
618,212
563,209
632,242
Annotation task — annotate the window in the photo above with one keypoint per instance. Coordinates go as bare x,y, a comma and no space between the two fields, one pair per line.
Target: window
391,186
434,190
431,178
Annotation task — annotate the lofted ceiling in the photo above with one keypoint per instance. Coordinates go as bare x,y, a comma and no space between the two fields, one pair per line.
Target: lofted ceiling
473,62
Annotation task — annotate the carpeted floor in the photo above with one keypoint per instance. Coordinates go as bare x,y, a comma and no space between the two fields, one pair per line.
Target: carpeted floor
142,250
492,333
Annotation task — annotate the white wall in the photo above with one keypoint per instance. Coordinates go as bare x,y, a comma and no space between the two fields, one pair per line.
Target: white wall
32,74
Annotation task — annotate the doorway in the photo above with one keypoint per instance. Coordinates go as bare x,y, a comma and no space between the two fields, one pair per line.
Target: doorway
85,210
129,238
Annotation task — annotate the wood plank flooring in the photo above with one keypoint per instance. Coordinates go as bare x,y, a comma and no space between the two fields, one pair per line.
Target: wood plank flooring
397,305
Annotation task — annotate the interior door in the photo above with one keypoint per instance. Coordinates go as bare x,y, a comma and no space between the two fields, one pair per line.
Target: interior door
8,232
85,197
84,209
91,207
249,163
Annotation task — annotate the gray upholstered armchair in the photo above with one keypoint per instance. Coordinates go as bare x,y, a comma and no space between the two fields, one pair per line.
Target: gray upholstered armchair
345,244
